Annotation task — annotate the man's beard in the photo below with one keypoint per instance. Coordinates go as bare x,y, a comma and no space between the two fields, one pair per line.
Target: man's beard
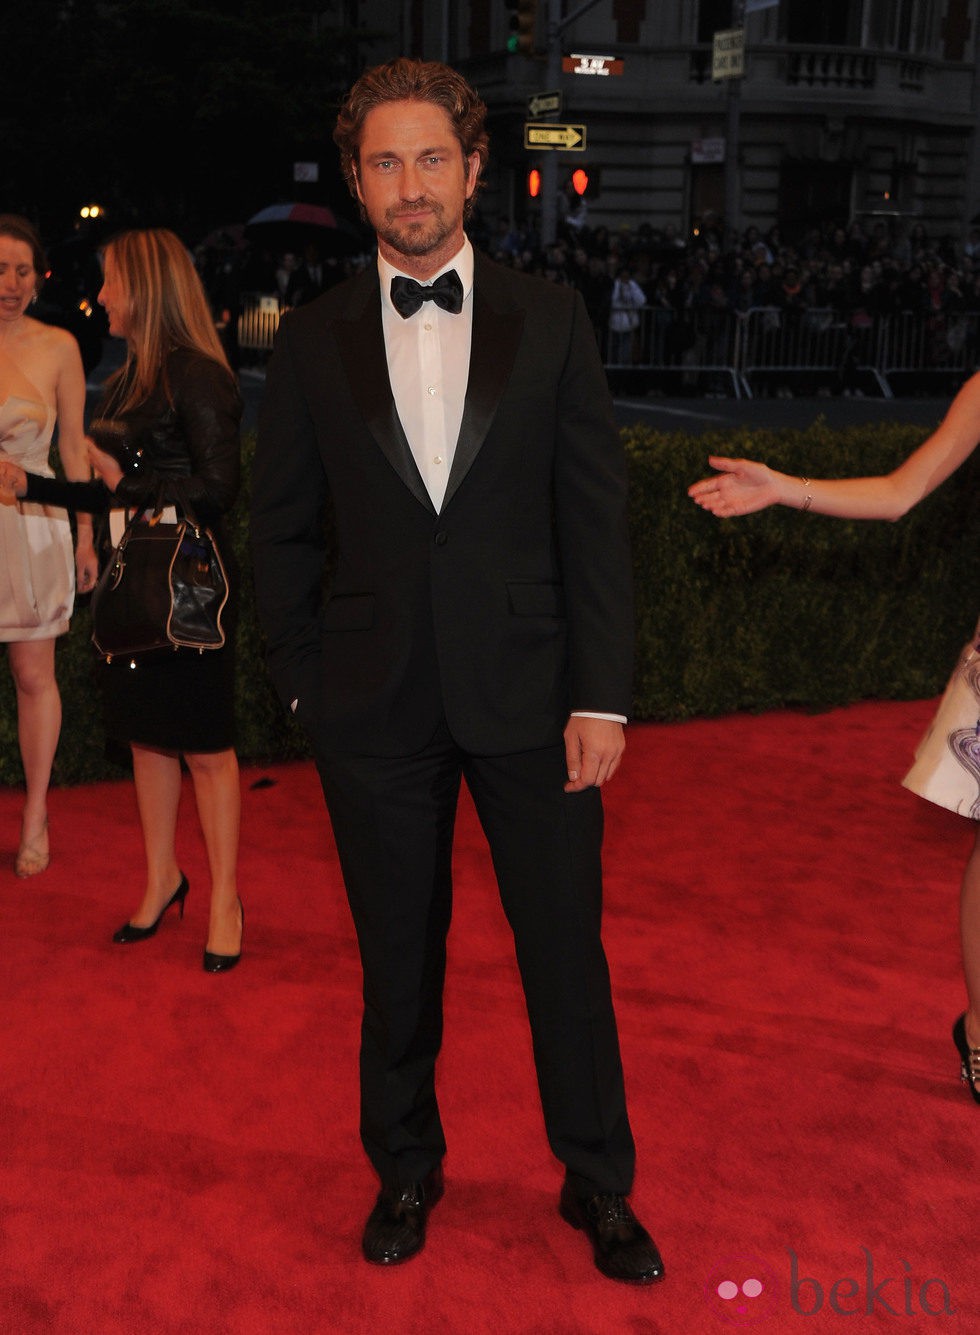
414,238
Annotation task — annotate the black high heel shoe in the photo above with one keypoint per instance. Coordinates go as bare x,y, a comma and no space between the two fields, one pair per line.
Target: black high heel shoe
969,1057
128,933
222,963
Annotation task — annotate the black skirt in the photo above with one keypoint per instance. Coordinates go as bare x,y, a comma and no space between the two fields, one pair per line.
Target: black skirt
177,701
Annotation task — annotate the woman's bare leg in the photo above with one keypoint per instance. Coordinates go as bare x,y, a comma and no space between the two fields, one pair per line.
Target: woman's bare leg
157,777
218,791
38,729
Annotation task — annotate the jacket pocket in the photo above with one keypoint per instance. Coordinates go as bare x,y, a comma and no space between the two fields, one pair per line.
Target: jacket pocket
535,599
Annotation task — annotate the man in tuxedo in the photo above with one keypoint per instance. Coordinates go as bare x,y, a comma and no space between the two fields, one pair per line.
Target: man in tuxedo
453,419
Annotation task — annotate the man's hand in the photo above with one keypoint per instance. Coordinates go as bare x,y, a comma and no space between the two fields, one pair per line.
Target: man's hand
593,749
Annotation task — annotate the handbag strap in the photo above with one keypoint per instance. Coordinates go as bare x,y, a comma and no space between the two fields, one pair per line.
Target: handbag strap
185,516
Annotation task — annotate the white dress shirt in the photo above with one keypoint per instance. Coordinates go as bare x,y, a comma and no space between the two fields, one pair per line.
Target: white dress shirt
429,366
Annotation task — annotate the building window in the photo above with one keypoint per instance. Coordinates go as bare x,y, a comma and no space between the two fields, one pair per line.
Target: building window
713,16
814,192
832,23
912,27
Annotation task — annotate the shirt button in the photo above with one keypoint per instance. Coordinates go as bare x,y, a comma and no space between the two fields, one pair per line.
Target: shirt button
437,459
442,537
431,389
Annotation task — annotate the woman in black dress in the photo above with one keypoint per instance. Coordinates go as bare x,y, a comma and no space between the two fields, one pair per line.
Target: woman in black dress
177,404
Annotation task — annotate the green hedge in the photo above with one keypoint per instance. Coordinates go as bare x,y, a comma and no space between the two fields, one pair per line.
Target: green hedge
786,608
780,608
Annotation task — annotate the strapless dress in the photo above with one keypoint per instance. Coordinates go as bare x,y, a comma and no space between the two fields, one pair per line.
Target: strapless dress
37,563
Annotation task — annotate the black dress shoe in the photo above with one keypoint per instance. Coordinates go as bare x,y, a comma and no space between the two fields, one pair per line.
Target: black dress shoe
127,933
395,1229
623,1248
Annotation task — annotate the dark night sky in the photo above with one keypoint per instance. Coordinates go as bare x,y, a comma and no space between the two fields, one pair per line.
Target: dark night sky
188,115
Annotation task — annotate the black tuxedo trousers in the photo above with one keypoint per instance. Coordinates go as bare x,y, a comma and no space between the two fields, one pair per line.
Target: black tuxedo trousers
393,822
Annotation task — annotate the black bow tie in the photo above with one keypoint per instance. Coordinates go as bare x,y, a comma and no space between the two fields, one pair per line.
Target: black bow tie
407,295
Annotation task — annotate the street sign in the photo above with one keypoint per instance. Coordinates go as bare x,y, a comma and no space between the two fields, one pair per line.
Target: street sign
708,150
569,138
596,65
728,54
544,104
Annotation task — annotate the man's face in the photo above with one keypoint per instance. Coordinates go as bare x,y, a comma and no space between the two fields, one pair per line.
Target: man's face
413,182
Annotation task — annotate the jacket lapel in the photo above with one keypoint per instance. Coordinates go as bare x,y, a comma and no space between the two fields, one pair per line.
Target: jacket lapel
497,329
362,351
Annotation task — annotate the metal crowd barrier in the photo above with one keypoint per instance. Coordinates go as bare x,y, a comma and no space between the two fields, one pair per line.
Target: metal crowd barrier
916,347
258,321
768,349
764,349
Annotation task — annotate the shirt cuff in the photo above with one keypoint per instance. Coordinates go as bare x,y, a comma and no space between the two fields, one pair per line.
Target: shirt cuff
610,718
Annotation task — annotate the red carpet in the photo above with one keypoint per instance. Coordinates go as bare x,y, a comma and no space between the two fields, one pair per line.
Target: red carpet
179,1151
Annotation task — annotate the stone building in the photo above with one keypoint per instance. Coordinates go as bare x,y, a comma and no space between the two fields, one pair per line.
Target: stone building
846,107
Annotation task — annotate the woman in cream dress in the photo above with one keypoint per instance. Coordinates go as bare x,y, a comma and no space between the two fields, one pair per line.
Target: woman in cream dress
947,763
41,381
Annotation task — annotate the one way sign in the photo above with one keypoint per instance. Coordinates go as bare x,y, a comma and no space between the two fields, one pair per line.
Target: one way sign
570,138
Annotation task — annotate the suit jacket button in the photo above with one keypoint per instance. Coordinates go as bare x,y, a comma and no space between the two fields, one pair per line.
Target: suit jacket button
442,537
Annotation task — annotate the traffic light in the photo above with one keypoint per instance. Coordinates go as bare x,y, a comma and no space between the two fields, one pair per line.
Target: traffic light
534,183
523,26
584,181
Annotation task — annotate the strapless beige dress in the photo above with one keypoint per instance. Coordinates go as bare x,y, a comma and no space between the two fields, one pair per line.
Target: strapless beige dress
37,564
947,762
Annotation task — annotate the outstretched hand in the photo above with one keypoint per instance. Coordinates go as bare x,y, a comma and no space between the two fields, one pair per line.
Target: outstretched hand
738,488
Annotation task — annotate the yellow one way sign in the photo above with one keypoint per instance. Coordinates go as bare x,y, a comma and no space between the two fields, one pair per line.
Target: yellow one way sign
571,138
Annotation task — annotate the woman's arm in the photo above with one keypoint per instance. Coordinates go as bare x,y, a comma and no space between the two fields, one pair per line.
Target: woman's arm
87,498
82,498
72,447
742,486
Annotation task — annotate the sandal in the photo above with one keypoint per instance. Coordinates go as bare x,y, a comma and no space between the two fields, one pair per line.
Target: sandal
33,855
969,1058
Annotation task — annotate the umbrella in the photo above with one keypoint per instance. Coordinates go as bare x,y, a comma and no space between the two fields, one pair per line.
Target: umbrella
299,222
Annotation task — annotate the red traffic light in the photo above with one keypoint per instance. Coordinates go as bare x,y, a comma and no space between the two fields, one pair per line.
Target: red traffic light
534,183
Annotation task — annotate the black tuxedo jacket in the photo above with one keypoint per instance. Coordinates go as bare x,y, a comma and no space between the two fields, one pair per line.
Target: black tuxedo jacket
500,614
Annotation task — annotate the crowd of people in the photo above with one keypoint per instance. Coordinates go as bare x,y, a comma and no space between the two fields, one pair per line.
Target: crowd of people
668,283
859,270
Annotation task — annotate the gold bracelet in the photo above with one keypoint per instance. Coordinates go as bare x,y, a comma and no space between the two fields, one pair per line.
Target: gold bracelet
807,497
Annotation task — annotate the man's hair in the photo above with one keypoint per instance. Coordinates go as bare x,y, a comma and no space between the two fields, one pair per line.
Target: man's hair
405,80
